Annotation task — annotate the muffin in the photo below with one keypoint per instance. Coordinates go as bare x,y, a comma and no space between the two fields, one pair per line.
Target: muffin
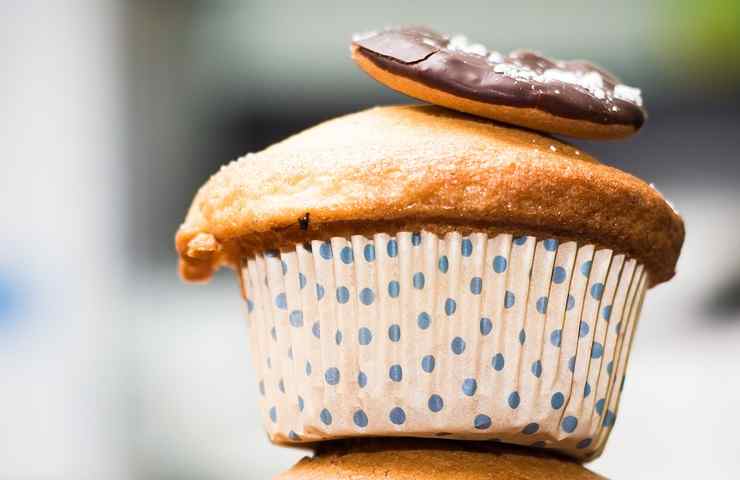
413,271
404,459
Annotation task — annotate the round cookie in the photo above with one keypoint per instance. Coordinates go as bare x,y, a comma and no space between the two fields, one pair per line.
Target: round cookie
407,459
573,98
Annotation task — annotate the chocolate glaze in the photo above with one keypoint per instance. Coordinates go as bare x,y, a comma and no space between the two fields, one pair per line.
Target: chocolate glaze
574,89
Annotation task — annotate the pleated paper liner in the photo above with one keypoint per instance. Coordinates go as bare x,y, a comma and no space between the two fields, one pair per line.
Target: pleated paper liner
514,339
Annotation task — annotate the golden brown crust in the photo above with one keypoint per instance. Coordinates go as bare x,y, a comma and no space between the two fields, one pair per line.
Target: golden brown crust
525,117
416,459
422,167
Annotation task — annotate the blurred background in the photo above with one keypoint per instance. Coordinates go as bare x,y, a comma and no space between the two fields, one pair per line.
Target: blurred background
113,113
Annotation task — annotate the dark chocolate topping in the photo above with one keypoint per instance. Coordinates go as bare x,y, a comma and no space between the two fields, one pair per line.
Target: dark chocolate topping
571,89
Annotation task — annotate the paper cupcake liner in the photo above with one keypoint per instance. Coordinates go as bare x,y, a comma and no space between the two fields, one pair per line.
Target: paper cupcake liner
514,339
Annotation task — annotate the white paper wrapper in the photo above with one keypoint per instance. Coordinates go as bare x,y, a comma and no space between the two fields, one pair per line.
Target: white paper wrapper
519,340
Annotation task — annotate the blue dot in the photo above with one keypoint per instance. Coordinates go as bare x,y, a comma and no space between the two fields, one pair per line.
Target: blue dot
360,418
450,306
476,285
284,266
367,296
522,336
520,240
609,367
531,429
296,318
537,368
482,422
397,416
542,305
273,414
395,373
606,312
556,337
424,320
609,419
301,280
572,364
585,443
435,403
597,350
369,252
392,248
394,332
469,386
557,400
346,255
486,325
599,407
586,390
466,247
550,244
250,306
308,368
558,275
262,388
294,436
499,264
497,362
597,291
325,251
509,299
301,403
457,345
394,288
416,239
444,264
418,280
364,336
273,333
427,363
281,301
342,295
586,268
325,417
281,385
570,302
319,292
569,424
316,329
361,379
338,337
513,400
332,375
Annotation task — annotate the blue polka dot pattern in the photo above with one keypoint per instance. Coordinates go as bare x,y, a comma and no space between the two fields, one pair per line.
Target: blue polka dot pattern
550,244
597,350
418,280
597,291
296,318
435,403
537,368
482,422
395,373
513,400
338,337
531,429
586,268
273,414
360,419
416,239
250,306
457,345
397,416
606,312
476,285
585,443
609,419
301,403
556,337
301,280
542,305
572,364
570,302
281,386
520,240
466,247
316,329
342,295
325,417
332,375
522,336
583,329
450,306
284,266
394,288
294,436
427,363
469,386
559,275
444,264
364,336
394,332
369,252
609,367
392,248
308,368
485,326
499,264
281,301
367,296
599,407
509,299
498,362
362,379
319,292
557,400
423,320
569,424
586,390
346,255
325,251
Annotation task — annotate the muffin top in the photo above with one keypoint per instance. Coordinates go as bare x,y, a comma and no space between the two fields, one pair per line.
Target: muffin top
411,168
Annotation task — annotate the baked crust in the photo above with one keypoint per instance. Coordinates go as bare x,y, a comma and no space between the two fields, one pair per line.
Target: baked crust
416,459
422,168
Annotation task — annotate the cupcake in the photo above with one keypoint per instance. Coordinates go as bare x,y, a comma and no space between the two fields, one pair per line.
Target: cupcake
414,271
